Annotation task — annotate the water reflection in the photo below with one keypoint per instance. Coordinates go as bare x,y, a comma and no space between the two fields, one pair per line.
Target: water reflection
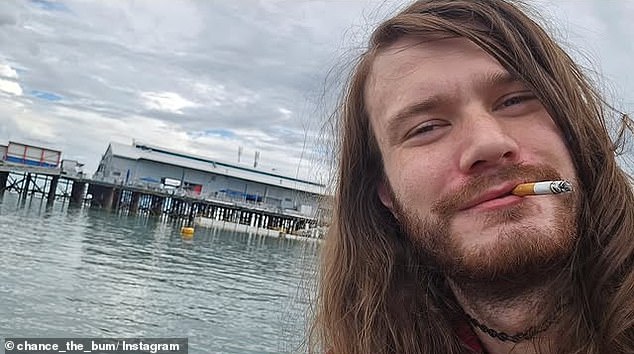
82,272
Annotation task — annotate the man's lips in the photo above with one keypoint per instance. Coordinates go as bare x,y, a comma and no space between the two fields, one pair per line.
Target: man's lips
496,196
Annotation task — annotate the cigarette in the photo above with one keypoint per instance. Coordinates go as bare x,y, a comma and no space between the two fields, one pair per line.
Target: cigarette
541,188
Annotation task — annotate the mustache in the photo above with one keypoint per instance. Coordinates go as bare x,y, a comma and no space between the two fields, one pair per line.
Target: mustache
479,184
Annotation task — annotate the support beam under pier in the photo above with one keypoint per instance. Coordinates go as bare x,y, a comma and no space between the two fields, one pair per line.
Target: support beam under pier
4,177
77,193
52,189
26,185
134,202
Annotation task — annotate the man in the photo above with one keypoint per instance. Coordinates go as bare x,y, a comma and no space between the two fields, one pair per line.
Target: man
454,104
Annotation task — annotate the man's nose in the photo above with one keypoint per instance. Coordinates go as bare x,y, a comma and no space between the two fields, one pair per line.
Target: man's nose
486,144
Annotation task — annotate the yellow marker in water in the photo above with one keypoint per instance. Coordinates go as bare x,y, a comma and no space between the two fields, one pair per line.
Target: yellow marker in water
541,188
187,232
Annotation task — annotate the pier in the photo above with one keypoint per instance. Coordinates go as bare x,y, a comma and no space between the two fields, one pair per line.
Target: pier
143,179
51,184
32,181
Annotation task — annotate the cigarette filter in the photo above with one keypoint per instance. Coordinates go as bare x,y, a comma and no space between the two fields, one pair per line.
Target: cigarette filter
541,188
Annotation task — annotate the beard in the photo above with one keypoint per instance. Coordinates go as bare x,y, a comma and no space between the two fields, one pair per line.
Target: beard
525,246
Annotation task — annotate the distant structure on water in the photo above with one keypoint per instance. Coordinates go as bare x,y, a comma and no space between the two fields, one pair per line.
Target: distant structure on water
19,154
157,168
152,180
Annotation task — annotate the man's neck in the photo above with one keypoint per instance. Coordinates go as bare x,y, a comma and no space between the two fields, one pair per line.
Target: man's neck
508,307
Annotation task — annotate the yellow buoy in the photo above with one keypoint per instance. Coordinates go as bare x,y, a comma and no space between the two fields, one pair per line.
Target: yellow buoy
187,231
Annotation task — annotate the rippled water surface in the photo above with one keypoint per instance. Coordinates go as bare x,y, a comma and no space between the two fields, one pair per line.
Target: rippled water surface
89,273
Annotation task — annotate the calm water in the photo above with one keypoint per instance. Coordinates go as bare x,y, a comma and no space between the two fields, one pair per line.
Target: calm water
89,273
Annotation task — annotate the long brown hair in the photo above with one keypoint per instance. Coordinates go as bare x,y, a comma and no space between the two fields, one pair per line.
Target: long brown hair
375,297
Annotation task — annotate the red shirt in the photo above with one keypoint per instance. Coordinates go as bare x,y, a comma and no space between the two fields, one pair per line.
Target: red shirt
469,338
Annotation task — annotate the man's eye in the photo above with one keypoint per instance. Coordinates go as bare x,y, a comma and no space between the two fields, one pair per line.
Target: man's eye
516,100
425,129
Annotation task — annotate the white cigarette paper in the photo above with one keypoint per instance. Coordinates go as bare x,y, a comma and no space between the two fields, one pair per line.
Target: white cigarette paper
542,188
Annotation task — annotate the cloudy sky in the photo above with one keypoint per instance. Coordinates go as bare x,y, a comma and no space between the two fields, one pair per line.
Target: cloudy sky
210,76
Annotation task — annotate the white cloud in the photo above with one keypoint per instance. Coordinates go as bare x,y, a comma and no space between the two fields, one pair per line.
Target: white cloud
11,87
217,95
170,102
8,72
34,126
285,112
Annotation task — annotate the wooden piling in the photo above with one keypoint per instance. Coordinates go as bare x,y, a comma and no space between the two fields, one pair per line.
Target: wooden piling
4,177
116,199
157,205
108,194
26,185
52,190
77,193
134,202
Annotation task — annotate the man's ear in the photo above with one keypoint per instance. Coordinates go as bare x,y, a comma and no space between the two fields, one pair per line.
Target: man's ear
385,196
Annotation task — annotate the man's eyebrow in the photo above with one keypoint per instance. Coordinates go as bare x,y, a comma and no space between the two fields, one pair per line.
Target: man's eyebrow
498,78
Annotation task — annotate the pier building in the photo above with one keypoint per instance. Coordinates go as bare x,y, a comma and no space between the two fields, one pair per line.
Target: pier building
157,168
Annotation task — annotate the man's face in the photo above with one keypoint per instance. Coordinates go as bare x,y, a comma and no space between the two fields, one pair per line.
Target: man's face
457,133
